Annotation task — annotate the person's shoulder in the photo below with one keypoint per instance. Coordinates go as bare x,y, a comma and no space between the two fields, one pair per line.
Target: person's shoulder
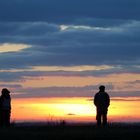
97,94
106,94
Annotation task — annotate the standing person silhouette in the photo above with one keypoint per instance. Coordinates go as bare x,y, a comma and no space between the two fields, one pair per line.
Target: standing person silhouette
5,107
102,102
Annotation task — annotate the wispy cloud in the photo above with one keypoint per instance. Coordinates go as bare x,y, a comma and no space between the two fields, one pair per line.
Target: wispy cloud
126,99
7,47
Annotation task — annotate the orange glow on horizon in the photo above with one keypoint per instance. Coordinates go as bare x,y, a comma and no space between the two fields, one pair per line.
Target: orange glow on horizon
44,109
71,109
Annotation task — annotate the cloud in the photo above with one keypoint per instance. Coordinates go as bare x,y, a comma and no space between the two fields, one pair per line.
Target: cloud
6,47
79,45
71,114
134,82
126,99
19,75
27,29
15,86
86,91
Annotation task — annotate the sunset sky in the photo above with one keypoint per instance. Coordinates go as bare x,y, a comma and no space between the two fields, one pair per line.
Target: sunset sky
54,54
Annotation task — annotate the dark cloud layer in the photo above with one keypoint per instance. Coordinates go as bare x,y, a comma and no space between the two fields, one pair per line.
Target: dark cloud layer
79,45
87,91
32,10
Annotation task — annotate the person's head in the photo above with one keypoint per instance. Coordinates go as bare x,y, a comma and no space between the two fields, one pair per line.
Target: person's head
102,88
5,92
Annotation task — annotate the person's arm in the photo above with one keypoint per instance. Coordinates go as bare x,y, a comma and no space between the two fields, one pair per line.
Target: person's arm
108,100
0,102
95,100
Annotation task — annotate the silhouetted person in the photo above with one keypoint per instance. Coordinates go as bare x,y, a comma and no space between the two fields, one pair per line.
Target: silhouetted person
5,107
102,102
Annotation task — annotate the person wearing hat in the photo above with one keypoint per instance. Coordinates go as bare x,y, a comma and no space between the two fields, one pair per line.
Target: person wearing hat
102,102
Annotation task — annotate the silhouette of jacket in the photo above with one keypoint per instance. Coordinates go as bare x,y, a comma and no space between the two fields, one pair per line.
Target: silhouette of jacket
102,101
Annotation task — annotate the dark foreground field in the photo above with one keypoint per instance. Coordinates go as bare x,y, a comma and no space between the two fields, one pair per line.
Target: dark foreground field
72,132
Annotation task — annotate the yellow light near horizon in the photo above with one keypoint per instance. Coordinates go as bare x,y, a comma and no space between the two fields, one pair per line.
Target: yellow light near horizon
125,109
44,108
73,109
76,109
128,108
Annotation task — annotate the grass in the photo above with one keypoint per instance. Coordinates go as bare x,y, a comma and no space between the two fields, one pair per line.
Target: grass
114,131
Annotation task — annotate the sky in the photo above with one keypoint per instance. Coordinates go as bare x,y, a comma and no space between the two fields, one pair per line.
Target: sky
67,48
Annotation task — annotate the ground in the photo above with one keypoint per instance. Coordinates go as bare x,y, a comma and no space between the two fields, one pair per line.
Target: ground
116,131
